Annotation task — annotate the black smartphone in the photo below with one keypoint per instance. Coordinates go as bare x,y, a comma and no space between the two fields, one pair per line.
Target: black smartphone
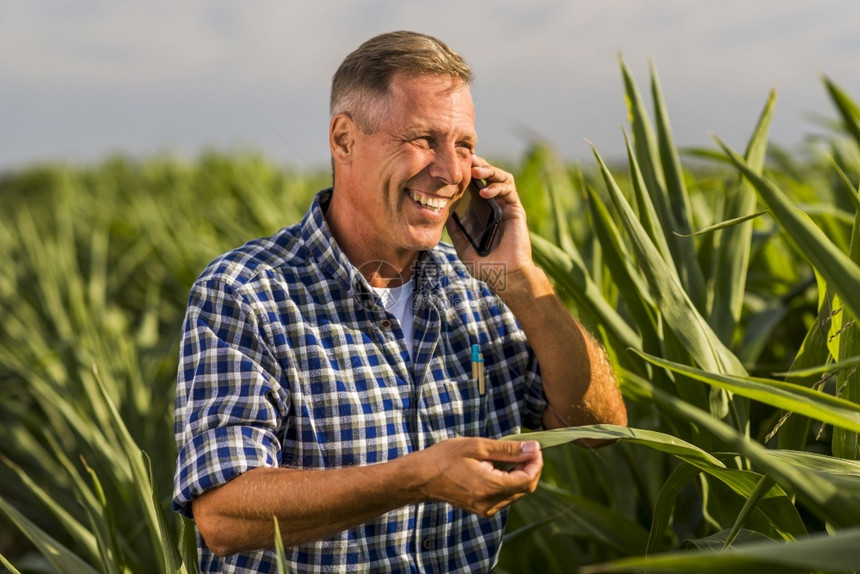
478,217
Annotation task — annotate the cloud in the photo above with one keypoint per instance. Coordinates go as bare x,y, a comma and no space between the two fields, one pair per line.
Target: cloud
85,77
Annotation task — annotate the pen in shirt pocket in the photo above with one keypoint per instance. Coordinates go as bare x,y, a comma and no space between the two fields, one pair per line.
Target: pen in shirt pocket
478,369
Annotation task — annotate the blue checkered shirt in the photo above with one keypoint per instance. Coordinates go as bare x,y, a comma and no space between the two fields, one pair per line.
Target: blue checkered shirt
289,359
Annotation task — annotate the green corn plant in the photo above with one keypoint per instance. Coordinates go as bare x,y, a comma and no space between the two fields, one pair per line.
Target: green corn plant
726,301
690,315
91,311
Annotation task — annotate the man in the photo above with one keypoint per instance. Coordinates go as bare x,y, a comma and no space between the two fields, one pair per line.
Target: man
303,397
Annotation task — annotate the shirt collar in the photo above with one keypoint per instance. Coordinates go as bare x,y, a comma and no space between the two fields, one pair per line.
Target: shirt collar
432,269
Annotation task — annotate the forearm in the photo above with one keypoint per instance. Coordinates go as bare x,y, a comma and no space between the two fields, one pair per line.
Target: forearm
578,380
314,504
310,504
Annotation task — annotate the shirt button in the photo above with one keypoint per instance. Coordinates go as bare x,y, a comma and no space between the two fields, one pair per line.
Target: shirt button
385,323
426,544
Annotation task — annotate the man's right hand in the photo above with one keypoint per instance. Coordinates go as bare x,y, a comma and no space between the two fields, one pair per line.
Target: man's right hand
460,471
314,504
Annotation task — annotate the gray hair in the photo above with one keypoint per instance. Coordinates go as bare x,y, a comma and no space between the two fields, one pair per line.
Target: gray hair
361,83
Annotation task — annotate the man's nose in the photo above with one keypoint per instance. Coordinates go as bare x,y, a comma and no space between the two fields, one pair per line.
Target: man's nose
447,166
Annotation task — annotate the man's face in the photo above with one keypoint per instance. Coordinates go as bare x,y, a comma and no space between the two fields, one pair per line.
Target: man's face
417,163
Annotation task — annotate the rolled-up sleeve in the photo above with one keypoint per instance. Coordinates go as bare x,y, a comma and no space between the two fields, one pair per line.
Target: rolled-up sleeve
230,405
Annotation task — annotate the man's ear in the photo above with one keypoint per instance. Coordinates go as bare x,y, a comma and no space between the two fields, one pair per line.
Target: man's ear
341,138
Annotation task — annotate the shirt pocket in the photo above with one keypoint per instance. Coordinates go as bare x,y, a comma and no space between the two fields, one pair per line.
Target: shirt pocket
341,553
464,406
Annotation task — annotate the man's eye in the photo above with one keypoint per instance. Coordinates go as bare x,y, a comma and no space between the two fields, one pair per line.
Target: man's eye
465,150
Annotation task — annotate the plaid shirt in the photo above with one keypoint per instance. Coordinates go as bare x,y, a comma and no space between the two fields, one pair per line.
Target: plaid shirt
289,359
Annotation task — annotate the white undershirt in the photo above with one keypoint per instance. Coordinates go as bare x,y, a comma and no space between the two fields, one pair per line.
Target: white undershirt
398,301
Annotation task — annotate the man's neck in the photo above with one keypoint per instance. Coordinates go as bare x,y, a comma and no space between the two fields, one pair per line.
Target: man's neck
381,265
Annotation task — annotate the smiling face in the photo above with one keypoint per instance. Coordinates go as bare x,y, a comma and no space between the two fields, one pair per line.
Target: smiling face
395,187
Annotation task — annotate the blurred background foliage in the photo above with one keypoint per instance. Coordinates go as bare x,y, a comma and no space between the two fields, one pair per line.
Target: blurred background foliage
722,284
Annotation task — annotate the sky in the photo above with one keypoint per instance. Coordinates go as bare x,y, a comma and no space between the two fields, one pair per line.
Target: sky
82,80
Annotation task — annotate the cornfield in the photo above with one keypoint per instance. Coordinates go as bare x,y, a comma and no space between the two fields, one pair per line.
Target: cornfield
724,287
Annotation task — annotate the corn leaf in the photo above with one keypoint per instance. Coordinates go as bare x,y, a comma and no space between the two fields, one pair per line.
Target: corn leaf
795,398
559,188
793,432
847,108
678,310
734,247
850,191
840,272
60,557
820,463
653,439
8,565
846,443
648,216
819,553
71,525
144,491
679,200
831,368
188,544
629,281
726,224
773,504
675,483
577,282
829,497
103,528
279,549
750,504
648,177
571,515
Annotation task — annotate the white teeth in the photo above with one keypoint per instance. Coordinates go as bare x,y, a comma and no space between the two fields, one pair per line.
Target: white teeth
431,202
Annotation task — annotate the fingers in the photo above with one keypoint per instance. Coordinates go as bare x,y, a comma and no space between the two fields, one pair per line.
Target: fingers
483,170
468,478
507,450
528,460
499,488
500,183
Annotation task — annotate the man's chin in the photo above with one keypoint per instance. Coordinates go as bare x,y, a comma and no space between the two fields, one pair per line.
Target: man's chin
426,243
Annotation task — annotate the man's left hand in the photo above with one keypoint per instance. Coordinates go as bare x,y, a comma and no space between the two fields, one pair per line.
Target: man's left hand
512,247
